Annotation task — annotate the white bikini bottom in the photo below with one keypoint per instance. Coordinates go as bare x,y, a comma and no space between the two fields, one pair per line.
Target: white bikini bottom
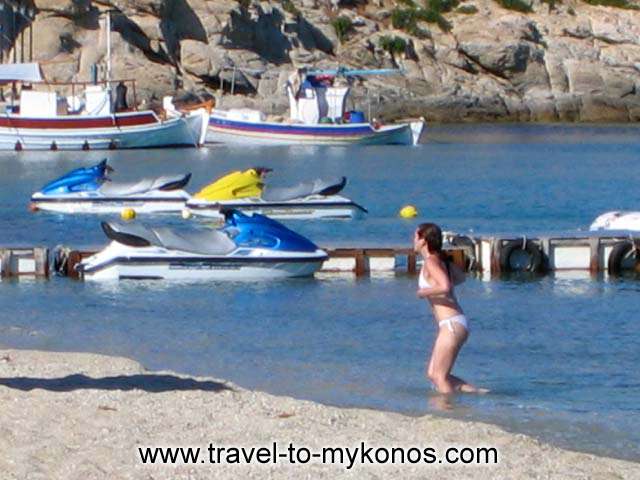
448,322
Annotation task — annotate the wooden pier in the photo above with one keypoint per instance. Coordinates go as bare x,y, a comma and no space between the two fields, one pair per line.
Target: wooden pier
29,261
490,256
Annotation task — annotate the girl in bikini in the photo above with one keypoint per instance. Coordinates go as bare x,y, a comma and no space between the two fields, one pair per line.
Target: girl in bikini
437,279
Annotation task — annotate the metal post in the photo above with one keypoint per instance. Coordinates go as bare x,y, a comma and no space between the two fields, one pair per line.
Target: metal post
135,97
31,41
2,45
233,81
22,46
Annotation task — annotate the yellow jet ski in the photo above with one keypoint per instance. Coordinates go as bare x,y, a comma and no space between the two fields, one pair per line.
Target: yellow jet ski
247,191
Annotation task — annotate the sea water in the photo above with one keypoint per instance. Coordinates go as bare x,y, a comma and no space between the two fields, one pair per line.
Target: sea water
560,352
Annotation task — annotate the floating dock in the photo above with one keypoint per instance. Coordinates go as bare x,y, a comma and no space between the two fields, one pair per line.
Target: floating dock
28,261
490,256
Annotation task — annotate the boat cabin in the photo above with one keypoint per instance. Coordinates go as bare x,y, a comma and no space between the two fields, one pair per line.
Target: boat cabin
317,99
86,98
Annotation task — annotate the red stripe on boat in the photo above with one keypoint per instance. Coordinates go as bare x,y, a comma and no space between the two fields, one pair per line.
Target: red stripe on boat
146,118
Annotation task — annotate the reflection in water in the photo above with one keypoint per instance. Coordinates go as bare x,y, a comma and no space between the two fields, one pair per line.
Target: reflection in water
441,403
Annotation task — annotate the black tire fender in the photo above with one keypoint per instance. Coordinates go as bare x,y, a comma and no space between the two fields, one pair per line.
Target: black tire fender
534,251
619,251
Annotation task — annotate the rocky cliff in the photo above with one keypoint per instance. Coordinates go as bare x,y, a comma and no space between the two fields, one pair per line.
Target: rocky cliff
568,61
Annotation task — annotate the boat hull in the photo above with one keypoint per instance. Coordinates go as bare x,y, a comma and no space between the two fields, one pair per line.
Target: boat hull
617,220
120,263
126,130
105,205
310,210
225,130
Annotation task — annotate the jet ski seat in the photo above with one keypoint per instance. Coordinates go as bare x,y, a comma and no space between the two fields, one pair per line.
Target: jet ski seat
211,242
117,189
120,189
134,235
317,187
203,243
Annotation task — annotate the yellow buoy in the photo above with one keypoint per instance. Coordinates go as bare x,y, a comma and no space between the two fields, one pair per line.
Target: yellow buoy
186,214
128,214
408,211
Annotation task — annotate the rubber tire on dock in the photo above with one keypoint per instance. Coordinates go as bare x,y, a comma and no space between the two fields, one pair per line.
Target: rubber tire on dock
618,253
509,248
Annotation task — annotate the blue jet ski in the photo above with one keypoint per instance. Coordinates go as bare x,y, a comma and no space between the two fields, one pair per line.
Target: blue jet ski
244,248
90,190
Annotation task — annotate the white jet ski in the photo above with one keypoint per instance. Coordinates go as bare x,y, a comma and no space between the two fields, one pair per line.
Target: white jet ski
89,190
244,248
618,220
247,191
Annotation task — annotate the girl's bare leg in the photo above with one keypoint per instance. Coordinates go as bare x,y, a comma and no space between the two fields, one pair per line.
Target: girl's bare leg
445,351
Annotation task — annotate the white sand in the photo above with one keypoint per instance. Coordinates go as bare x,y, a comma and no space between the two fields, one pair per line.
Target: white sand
63,419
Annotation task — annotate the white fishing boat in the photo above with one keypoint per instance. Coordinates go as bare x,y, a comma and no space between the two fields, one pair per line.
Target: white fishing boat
318,116
43,119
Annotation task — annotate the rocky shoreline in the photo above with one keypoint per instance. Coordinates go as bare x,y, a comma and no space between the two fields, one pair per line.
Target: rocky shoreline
558,61
84,416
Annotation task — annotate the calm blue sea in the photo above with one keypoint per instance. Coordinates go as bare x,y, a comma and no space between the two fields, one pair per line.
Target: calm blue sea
560,354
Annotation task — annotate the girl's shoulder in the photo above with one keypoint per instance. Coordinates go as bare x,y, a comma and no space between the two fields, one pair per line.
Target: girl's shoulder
434,262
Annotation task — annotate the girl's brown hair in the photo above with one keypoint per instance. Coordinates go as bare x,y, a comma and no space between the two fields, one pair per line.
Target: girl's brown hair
433,235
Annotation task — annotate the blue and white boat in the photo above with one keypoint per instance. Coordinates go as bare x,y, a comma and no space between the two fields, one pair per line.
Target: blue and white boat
318,116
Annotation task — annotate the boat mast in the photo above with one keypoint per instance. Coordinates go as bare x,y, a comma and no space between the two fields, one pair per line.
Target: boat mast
108,49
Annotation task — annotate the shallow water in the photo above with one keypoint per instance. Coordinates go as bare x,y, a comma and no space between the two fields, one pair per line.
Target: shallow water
560,354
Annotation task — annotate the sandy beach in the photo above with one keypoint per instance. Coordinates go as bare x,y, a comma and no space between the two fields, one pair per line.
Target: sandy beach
85,416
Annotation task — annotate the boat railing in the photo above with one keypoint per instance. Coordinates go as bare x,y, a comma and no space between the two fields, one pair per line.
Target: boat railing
85,84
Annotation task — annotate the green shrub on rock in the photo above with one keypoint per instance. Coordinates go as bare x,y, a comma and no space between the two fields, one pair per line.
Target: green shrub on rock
467,9
342,26
614,3
407,19
288,6
441,6
517,5
393,45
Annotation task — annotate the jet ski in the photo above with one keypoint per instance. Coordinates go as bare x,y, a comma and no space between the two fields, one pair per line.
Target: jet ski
244,248
247,191
89,190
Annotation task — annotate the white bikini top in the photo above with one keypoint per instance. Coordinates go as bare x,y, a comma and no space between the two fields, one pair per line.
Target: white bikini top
422,282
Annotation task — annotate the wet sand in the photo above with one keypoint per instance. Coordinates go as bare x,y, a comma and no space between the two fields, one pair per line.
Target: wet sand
84,416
